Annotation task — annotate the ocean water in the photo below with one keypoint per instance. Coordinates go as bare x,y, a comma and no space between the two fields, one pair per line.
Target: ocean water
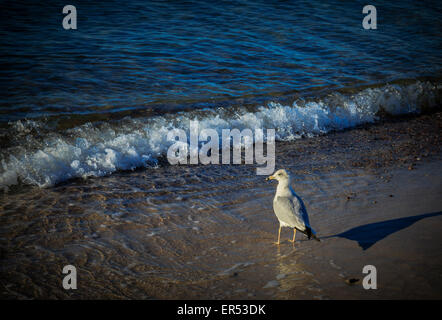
92,101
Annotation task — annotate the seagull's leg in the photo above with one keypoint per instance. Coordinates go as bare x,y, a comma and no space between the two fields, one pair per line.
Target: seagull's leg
279,235
294,235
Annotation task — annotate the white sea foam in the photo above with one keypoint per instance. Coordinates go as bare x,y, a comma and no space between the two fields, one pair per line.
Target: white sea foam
101,149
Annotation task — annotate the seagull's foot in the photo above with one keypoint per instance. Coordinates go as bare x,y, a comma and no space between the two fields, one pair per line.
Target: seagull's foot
292,241
277,243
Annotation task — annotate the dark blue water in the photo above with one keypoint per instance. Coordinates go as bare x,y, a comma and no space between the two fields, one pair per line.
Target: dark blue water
146,56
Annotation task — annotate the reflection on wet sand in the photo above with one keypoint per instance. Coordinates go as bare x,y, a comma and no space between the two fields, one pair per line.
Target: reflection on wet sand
293,277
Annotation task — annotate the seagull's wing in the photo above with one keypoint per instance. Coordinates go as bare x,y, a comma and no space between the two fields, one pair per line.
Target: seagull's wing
302,209
291,211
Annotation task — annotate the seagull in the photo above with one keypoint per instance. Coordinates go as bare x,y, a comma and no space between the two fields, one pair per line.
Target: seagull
289,208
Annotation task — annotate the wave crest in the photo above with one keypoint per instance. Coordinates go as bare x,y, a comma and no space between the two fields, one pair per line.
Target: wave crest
43,157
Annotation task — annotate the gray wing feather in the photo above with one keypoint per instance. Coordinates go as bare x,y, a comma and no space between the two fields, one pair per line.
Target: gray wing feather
291,211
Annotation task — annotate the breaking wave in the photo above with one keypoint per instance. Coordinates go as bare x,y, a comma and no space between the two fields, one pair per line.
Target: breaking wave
37,155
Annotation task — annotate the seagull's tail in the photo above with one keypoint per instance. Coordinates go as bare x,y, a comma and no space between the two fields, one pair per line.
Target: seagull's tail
311,233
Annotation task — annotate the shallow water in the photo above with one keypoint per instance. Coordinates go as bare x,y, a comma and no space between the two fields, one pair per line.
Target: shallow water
197,234
165,233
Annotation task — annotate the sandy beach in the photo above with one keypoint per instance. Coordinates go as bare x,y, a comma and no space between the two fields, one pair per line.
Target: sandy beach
206,232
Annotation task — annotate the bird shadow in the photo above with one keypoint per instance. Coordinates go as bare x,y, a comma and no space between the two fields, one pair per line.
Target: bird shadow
368,234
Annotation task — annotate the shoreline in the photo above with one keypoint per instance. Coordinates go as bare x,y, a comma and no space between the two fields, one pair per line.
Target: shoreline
206,232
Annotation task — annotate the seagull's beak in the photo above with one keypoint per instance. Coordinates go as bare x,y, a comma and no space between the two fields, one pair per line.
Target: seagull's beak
270,178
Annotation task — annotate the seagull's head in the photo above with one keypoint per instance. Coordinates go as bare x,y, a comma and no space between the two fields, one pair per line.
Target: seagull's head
281,175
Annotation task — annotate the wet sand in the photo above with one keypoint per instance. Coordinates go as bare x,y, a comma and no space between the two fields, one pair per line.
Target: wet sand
206,232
